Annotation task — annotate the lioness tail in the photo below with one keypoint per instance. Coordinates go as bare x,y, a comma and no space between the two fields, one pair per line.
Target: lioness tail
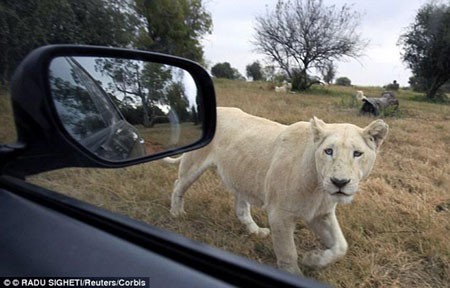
171,160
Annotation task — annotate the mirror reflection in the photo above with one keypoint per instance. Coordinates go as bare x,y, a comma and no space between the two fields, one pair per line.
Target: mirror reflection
122,108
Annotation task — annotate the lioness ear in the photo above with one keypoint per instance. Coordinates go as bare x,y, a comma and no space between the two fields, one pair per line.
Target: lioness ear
376,132
317,128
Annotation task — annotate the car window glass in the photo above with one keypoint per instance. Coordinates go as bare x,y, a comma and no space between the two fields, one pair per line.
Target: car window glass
143,192
398,224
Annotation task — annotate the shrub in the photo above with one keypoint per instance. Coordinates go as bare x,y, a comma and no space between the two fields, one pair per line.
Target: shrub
343,81
224,70
394,86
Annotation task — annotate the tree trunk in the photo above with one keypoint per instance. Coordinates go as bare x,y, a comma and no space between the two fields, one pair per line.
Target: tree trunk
300,80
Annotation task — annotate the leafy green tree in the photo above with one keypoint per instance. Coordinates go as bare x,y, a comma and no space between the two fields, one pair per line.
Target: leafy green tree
174,27
224,70
343,81
105,22
426,48
26,25
299,35
417,83
255,71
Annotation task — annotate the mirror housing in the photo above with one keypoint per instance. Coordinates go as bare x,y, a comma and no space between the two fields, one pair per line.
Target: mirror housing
44,141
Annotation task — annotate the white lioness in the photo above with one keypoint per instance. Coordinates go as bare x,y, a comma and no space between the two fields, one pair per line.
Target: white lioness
300,171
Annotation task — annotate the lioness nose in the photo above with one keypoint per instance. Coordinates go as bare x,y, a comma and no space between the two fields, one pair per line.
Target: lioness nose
339,182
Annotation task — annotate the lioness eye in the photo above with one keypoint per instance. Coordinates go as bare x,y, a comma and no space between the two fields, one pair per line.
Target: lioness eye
328,151
357,154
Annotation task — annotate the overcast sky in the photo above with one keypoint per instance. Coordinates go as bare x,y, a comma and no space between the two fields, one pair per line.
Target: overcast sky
382,22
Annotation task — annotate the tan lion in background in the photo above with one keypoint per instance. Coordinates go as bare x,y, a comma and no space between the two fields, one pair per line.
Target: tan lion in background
294,172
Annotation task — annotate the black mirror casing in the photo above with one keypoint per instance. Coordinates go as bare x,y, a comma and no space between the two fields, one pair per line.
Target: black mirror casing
43,144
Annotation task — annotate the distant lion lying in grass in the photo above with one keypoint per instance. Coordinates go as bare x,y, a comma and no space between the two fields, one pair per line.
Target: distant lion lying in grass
300,171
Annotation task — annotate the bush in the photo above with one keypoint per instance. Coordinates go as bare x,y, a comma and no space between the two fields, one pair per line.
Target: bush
394,86
224,70
343,81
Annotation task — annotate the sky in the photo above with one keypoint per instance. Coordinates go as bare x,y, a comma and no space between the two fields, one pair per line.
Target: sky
382,22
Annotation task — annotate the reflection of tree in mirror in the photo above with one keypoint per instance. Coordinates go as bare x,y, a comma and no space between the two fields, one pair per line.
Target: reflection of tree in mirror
178,101
89,114
78,111
93,95
80,114
145,91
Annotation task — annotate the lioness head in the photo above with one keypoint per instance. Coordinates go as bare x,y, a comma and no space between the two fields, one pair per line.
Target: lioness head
345,155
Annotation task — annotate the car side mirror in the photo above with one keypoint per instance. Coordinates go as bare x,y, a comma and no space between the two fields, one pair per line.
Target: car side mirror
89,106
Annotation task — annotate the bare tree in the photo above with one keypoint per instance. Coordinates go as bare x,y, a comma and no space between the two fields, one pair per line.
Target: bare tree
300,35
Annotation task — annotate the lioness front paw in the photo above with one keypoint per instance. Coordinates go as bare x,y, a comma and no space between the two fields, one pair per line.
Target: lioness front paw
177,212
317,258
262,232
290,268
258,231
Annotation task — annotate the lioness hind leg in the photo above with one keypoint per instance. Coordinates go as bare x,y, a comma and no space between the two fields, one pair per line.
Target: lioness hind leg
243,213
177,200
328,230
189,171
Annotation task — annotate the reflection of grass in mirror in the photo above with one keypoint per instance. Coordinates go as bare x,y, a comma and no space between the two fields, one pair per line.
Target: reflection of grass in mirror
397,226
165,136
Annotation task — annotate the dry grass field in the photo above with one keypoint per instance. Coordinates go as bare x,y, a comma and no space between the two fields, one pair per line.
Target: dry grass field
398,226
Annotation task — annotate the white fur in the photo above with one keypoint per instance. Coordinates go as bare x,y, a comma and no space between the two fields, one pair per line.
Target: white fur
284,88
281,89
360,95
287,170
